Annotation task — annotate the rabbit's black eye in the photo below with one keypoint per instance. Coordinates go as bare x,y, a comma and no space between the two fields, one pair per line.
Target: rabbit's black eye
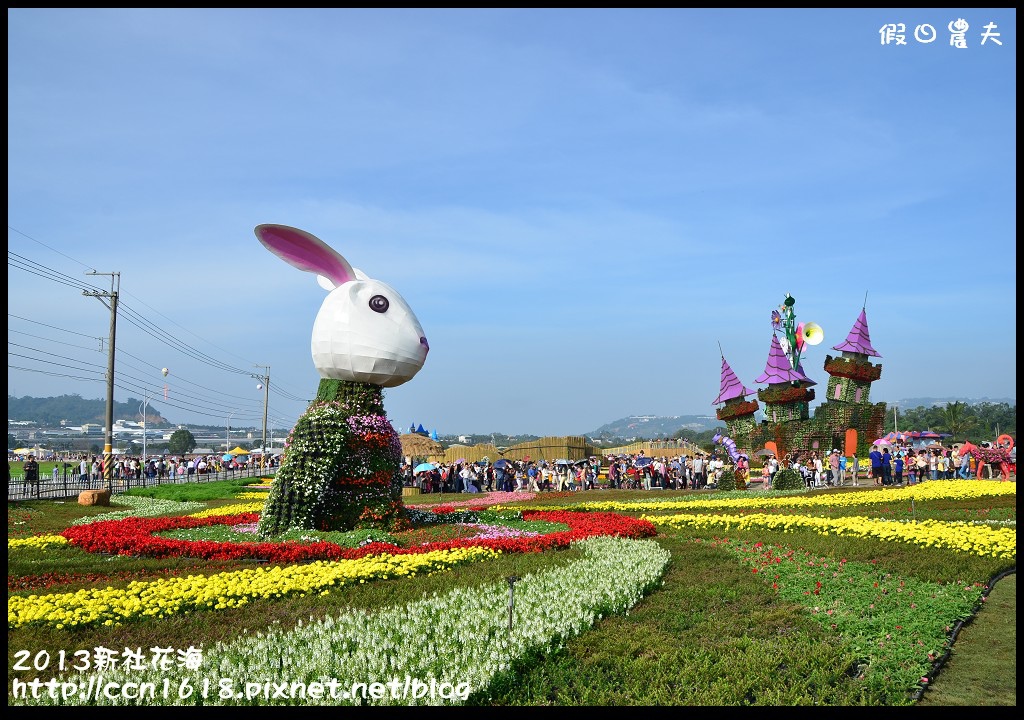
379,303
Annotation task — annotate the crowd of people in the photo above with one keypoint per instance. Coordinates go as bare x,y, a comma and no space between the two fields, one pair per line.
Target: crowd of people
636,471
886,465
897,465
903,464
89,468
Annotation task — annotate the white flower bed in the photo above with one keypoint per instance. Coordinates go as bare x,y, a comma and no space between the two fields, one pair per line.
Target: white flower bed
459,639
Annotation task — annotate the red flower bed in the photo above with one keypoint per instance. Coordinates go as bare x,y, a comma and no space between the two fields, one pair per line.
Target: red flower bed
135,536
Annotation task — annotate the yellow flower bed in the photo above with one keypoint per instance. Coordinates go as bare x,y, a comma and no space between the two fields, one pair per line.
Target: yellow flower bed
979,540
162,598
252,507
252,496
933,489
37,541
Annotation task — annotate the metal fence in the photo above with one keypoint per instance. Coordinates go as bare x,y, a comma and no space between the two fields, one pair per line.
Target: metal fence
70,484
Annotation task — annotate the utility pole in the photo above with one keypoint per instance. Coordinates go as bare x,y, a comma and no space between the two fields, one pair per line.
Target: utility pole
108,433
145,457
265,386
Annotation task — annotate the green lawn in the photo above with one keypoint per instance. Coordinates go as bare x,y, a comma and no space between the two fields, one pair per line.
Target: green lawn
713,632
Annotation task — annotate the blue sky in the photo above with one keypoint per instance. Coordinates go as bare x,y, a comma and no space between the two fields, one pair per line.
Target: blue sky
581,206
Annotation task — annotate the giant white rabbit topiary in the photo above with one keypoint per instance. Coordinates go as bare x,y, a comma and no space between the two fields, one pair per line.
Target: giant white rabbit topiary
365,331
342,463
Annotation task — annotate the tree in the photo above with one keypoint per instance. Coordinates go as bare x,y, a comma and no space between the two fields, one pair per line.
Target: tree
957,420
11,441
182,441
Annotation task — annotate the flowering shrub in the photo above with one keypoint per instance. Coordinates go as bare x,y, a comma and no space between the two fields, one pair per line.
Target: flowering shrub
853,369
736,410
786,394
342,466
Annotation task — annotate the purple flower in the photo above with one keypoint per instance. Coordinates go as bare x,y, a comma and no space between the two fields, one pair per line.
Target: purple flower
776,319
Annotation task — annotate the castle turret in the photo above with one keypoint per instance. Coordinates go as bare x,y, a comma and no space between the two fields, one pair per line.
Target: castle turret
788,394
851,374
738,412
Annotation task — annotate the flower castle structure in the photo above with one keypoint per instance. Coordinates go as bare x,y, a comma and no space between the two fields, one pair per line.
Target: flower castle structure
846,420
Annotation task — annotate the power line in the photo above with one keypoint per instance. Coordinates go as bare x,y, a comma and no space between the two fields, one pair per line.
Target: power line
39,242
53,327
137,320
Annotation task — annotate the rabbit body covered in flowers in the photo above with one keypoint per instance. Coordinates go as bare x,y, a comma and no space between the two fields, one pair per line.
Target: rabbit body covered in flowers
365,331
342,463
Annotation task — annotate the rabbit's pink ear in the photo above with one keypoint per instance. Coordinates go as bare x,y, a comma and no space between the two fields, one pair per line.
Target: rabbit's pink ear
306,252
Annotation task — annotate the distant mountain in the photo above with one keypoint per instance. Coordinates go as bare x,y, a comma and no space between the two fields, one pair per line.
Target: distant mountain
911,403
647,427
75,410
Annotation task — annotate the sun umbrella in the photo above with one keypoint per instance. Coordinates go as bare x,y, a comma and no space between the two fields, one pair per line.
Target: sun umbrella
460,460
424,467
502,463
882,441
643,461
226,457
562,462
764,452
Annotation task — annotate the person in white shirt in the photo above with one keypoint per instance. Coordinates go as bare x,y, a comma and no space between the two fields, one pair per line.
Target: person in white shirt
467,476
699,480
773,468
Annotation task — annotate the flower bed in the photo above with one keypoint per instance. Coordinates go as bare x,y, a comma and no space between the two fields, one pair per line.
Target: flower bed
737,410
852,369
786,395
136,536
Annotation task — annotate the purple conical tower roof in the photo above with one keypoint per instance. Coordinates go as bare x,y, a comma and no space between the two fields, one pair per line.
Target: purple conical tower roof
731,387
778,369
859,340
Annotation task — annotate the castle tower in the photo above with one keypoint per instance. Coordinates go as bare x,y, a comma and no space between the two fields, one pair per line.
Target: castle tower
851,374
789,393
847,407
738,412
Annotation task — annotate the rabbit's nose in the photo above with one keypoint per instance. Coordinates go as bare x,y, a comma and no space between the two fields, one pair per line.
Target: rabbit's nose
425,344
